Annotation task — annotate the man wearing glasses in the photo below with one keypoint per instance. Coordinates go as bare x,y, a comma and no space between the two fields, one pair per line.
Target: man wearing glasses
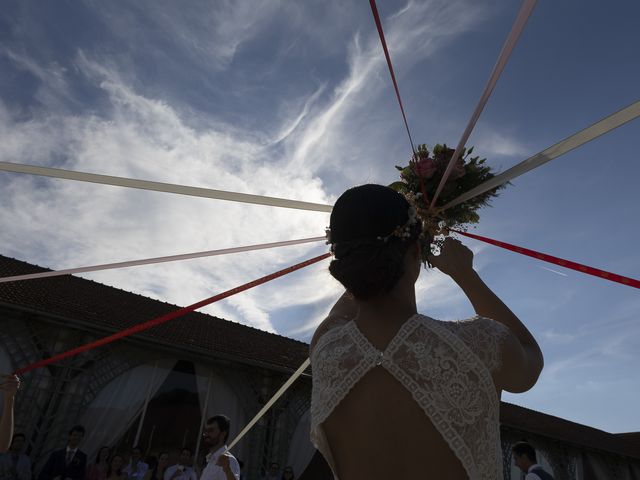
221,465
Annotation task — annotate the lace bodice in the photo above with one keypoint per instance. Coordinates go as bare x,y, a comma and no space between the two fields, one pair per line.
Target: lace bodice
446,366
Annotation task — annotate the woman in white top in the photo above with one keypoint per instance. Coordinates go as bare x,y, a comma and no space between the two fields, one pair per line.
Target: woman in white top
398,395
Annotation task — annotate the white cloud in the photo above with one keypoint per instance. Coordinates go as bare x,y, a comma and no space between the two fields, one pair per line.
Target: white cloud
63,224
209,33
333,137
492,143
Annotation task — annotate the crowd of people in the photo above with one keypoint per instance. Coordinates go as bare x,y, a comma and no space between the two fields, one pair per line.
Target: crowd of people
71,463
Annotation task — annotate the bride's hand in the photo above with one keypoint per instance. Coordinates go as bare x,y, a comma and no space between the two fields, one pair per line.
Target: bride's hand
455,259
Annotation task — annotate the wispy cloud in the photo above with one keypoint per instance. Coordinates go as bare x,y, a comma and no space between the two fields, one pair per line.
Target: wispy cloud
413,35
554,271
64,224
209,33
492,143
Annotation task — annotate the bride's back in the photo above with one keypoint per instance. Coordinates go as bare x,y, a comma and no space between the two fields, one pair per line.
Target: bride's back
378,431
380,382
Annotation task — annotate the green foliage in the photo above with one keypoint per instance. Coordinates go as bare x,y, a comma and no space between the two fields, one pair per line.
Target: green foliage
468,173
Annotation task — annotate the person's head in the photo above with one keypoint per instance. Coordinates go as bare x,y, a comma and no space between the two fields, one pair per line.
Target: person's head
136,454
115,466
17,443
374,235
273,469
216,431
76,434
185,456
287,473
524,455
103,455
163,460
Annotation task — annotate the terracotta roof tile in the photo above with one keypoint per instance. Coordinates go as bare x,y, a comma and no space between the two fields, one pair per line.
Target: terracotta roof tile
111,309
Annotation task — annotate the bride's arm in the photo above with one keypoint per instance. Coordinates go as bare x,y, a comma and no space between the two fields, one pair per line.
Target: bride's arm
522,359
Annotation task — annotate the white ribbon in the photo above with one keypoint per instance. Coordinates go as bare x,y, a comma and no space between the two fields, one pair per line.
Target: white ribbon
163,187
148,261
270,403
507,48
574,141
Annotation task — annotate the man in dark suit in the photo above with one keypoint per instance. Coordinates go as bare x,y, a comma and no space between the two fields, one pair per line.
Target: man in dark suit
69,463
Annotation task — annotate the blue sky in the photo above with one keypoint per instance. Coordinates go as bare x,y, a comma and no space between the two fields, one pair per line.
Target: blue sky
293,99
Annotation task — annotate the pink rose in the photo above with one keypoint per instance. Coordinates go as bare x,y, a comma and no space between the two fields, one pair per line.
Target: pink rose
457,171
425,167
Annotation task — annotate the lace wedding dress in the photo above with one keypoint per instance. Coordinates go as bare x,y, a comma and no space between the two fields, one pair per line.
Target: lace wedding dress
446,366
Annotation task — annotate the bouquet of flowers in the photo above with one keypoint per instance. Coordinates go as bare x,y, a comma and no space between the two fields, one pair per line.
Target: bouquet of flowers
420,179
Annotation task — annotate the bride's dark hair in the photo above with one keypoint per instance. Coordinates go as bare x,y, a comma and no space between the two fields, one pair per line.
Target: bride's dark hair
366,265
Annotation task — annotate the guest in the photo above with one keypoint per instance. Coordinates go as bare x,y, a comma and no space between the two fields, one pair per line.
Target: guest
15,465
157,471
525,457
67,463
115,472
136,469
98,470
183,469
9,384
221,465
287,473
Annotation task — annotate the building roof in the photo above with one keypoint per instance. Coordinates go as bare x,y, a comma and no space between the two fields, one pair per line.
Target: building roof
91,304
633,439
85,302
558,428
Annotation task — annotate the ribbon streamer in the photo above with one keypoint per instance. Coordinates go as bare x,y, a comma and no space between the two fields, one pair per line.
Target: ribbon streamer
167,317
270,403
149,261
574,141
614,277
376,17
507,48
163,187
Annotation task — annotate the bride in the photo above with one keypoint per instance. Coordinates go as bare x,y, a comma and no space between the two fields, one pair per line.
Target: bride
396,394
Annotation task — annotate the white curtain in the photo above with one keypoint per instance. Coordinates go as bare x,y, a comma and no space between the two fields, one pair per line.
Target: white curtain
301,450
544,463
120,403
222,399
592,466
516,473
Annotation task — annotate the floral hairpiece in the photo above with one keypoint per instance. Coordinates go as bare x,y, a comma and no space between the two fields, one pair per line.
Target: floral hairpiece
401,231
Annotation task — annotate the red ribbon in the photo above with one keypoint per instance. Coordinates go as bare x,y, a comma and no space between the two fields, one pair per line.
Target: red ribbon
167,317
376,17
557,261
